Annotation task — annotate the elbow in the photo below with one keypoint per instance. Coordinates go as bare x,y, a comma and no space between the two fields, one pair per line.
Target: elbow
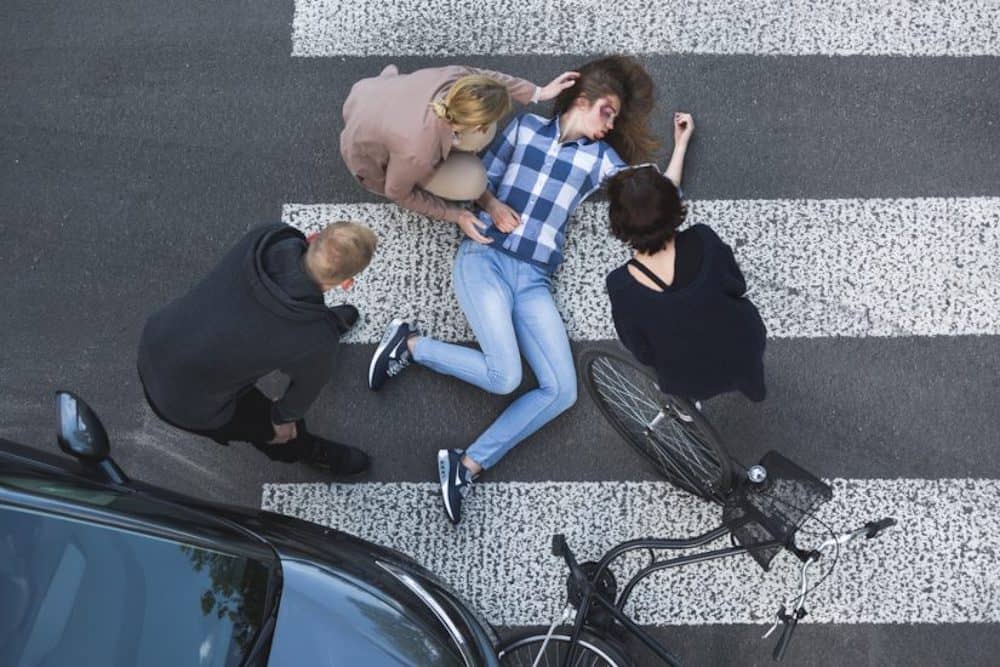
397,193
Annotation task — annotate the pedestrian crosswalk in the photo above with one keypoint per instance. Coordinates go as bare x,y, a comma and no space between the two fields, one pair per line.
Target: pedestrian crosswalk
815,268
861,269
538,27
937,566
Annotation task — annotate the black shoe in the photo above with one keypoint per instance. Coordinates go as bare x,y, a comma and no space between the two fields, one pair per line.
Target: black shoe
339,460
391,356
456,482
347,316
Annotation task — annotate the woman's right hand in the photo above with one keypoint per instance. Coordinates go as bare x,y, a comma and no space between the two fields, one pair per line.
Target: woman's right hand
283,433
504,217
471,226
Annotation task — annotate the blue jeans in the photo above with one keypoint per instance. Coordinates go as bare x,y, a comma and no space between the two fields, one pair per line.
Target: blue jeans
509,305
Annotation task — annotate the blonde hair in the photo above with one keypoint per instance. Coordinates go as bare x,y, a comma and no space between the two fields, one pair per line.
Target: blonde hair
472,101
341,251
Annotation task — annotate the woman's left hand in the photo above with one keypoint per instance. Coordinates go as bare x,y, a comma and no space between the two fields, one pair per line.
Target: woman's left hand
557,85
683,127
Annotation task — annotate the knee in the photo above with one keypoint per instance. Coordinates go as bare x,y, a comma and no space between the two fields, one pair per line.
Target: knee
474,184
563,393
460,177
566,397
505,379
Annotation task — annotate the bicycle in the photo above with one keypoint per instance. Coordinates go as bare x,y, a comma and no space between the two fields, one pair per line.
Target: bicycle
763,508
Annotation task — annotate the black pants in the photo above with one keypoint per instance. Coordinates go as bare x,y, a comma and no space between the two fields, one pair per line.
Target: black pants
252,423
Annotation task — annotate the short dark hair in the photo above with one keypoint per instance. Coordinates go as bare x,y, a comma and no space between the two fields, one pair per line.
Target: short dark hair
645,208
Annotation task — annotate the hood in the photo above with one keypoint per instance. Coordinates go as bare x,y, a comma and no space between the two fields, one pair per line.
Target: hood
328,617
269,294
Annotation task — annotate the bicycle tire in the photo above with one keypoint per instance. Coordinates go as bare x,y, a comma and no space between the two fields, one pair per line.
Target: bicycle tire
522,650
683,446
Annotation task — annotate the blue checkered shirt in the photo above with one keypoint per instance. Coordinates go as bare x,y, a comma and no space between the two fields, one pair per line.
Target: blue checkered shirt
544,180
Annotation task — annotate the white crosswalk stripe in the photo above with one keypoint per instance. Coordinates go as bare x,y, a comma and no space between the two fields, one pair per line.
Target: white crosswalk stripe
537,27
937,566
816,268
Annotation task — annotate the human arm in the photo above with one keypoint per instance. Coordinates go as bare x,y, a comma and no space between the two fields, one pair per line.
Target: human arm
307,376
403,174
683,129
733,282
626,321
632,337
496,160
524,91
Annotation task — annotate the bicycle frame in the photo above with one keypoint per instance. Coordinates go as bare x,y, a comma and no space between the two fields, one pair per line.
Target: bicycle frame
590,596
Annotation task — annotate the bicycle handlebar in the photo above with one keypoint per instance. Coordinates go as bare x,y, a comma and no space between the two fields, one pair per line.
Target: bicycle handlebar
558,545
873,528
791,621
869,531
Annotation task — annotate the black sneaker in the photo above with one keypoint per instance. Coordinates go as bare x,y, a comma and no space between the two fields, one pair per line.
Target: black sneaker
339,460
391,356
456,482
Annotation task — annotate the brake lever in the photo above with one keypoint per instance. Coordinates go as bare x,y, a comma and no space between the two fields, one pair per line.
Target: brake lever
791,621
778,620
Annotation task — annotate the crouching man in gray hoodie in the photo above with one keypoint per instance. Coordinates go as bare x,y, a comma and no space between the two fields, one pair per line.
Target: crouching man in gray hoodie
260,309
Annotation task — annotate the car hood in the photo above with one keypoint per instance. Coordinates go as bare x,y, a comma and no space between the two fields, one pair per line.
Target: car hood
327,617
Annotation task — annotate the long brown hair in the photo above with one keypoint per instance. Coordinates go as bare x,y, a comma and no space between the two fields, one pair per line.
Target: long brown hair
628,80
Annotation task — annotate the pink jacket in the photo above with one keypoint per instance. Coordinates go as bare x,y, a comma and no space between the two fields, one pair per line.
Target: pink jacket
392,141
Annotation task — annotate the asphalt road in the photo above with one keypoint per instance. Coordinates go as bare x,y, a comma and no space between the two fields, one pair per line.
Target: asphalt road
140,139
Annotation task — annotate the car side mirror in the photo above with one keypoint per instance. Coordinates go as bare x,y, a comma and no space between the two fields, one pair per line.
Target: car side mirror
81,435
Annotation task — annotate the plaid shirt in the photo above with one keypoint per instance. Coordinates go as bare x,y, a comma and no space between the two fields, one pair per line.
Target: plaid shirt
544,180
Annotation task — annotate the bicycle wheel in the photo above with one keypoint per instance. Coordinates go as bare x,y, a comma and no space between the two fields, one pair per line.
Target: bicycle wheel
668,431
523,651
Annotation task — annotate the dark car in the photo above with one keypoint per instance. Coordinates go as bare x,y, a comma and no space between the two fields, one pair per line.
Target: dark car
98,569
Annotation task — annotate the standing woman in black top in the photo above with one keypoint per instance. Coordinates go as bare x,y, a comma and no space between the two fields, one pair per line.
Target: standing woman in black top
679,304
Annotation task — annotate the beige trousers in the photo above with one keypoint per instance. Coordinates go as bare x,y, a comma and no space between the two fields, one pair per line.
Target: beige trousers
462,177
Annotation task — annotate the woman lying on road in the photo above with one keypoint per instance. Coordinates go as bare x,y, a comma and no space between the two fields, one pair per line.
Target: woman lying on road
413,137
538,172
679,303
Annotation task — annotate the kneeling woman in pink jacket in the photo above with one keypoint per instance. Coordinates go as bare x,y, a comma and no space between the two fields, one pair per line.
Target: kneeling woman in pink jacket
413,137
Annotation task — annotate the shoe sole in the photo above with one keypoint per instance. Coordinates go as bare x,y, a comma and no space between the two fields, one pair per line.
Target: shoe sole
387,337
443,478
341,476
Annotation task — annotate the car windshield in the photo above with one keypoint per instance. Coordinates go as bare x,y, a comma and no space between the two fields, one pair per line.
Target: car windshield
75,592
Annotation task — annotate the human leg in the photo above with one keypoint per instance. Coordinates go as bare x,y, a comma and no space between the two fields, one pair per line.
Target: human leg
542,338
461,177
251,423
483,291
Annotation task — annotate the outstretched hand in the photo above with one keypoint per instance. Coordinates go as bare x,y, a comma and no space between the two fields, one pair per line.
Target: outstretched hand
557,85
683,127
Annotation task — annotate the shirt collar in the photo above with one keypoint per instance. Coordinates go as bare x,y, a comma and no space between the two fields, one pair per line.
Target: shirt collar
554,122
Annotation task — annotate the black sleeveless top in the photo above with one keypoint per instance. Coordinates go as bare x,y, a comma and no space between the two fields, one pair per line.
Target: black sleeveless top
688,255
700,334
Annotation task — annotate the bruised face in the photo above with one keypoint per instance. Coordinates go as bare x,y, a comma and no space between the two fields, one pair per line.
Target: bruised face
599,116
